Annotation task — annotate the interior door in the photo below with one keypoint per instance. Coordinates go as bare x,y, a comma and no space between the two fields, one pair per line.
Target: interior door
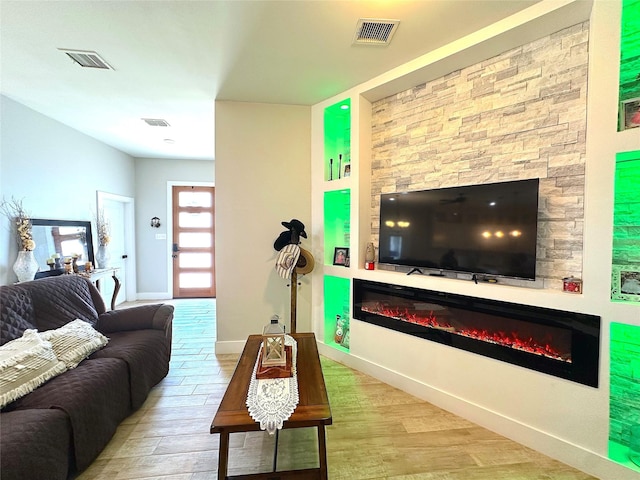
114,213
193,241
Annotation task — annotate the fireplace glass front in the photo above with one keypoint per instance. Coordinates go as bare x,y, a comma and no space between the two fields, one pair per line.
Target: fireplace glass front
556,342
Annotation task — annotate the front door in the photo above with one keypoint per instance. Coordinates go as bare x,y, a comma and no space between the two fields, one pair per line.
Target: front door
193,241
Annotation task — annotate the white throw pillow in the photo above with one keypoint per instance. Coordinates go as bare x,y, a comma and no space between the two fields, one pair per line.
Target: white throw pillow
25,364
74,341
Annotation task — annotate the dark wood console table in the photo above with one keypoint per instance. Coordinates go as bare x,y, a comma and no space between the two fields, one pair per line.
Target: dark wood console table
313,409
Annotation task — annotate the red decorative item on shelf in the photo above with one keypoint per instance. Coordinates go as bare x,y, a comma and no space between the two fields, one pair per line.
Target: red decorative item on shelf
572,285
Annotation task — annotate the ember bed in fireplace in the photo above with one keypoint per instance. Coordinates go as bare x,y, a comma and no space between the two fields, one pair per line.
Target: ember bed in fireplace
556,342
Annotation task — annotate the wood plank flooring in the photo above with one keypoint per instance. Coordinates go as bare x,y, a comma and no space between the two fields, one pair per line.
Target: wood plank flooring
378,431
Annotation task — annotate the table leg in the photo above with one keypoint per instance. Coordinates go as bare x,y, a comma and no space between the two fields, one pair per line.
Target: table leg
116,289
322,452
275,452
223,455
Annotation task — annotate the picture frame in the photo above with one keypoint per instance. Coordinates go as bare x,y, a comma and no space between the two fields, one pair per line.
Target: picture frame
625,283
630,113
347,170
341,256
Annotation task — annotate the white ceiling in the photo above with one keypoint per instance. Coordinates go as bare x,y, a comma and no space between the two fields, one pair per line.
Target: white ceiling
172,59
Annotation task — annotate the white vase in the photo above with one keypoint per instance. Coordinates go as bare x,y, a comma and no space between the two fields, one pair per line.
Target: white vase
103,257
26,266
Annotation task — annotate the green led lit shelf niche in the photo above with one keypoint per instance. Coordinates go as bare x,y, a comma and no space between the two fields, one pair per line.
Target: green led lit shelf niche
626,228
337,301
624,395
629,88
337,222
337,139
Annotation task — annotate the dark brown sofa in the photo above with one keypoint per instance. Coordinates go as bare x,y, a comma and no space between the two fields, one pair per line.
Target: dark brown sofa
58,429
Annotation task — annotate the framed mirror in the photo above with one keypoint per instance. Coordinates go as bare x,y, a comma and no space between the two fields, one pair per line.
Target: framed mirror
64,238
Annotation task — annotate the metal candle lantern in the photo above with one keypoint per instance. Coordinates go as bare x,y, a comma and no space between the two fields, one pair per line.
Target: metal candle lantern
273,349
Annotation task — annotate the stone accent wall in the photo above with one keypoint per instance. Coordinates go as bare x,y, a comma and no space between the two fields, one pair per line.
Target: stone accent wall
519,115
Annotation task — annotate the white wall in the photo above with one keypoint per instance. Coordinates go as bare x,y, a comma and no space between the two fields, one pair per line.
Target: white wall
262,178
153,257
54,170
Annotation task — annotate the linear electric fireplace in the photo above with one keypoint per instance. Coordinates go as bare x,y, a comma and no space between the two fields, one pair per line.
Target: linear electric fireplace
555,342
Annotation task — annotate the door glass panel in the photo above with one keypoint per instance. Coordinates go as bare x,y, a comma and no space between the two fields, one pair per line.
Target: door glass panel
195,199
195,260
195,280
195,220
195,240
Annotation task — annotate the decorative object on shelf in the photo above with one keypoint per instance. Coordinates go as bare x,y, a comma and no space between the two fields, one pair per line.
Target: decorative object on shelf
155,222
369,257
345,338
25,266
347,170
103,256
572,285
341,256
74,262
630,113
625,283
339,331
88,267
331,169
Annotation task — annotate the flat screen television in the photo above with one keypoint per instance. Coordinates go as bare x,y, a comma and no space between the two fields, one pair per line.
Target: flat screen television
488,229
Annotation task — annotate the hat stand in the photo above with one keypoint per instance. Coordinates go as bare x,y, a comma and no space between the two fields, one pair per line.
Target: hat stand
294,299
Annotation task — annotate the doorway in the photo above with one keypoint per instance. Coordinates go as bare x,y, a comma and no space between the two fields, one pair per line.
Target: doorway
193,237
118,210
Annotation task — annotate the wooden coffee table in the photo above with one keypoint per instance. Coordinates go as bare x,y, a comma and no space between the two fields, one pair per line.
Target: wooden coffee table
313,409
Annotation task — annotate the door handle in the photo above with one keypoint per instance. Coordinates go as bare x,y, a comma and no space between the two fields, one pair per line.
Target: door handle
125,256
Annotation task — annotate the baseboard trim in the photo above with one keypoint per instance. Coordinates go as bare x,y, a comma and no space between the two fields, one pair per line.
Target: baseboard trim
154,296
235,346
554,447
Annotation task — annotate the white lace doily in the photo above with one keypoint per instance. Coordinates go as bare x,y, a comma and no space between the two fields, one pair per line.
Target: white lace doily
271,401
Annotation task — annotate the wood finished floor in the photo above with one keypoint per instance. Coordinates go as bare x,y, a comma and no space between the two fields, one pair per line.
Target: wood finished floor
378,432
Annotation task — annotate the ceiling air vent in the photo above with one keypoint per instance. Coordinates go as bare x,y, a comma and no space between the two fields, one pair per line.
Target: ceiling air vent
87,59
156,122
371,31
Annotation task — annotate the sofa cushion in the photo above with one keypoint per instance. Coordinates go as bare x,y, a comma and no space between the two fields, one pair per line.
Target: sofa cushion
16,312
59,300
95,397
74,342
147,355
25,364
35,444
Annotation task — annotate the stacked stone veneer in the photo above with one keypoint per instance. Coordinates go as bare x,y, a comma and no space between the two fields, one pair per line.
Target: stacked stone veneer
519,115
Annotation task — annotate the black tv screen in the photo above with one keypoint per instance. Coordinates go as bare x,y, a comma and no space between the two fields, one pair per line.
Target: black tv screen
485,229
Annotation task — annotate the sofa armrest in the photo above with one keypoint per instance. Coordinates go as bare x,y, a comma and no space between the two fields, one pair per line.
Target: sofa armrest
156,316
